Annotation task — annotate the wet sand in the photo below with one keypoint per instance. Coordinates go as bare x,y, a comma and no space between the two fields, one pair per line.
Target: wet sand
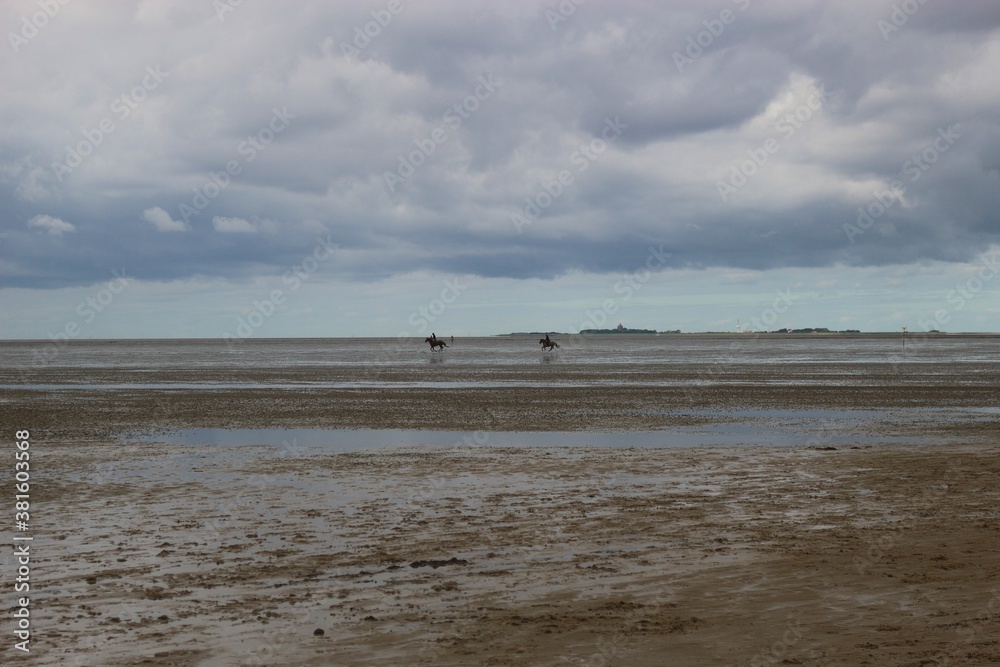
859,554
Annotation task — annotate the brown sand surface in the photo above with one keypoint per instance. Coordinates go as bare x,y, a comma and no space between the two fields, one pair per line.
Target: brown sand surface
859,554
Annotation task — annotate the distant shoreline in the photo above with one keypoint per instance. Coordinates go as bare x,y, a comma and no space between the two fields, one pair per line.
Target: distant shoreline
458,337
799,333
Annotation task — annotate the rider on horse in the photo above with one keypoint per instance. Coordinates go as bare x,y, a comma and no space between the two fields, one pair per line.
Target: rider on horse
435,343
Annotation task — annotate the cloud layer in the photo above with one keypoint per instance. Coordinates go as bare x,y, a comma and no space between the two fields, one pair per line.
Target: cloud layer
521,141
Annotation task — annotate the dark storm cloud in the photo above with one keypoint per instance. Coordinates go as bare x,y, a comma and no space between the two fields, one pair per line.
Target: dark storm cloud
372,125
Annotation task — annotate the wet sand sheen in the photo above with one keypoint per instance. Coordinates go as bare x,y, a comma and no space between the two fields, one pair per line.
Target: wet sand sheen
504,556
832,551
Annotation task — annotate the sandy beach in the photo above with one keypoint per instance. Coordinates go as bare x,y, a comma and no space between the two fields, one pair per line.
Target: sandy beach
871,542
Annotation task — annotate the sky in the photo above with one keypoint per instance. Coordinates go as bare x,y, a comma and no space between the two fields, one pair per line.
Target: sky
387,168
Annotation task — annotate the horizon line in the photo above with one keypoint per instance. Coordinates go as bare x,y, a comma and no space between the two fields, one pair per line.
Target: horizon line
62,341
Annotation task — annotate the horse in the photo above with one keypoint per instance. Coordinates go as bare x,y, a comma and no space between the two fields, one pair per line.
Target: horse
436,343
547,344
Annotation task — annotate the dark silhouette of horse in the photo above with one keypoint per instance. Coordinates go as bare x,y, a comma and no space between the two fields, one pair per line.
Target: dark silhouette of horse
436,343
547,344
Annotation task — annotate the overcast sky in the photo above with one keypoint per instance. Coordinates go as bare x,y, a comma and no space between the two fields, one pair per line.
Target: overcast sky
315,168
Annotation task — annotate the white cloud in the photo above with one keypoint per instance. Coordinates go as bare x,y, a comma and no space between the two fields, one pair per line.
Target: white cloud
54,226
504,116
162,220
233,225
31,185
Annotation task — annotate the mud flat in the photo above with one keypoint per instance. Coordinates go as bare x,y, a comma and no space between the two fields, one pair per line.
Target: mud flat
873,541
174,555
